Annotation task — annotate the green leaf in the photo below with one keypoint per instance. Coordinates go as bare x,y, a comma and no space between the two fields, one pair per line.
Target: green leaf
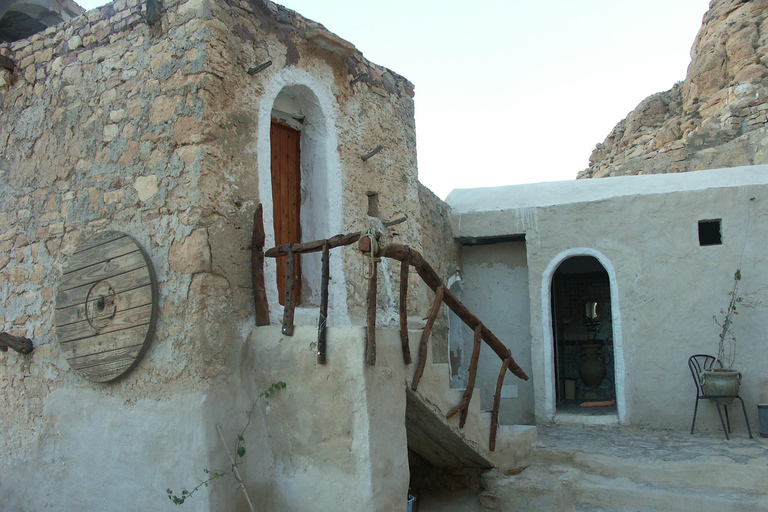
240,451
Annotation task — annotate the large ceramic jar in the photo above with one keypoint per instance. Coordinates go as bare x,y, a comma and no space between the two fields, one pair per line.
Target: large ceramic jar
592,364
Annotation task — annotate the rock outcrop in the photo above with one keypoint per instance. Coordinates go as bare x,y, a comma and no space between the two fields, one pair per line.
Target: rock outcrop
716,117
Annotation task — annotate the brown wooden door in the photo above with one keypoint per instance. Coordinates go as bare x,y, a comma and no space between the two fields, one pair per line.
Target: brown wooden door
286,197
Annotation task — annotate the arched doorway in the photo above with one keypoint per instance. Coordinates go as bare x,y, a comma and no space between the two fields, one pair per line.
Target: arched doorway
298,176
299,100
583,344
583,336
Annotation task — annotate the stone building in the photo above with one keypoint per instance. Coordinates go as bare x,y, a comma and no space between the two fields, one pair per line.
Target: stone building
655,255
170,122
157,124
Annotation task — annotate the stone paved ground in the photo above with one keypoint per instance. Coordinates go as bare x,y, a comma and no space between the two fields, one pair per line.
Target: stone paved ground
663,445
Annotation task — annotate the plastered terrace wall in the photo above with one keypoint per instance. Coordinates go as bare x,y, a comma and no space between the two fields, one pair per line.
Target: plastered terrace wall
668,286
160,132
337,432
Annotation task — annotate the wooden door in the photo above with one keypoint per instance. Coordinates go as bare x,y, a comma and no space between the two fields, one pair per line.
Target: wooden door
286,197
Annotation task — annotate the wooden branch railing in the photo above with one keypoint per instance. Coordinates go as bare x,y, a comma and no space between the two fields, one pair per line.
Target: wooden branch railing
408,258
430,277
257,268
18,343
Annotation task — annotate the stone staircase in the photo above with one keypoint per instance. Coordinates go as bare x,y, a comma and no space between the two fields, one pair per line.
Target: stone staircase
441,441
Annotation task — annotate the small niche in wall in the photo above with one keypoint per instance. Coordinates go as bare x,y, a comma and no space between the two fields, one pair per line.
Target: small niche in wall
710,232
373,204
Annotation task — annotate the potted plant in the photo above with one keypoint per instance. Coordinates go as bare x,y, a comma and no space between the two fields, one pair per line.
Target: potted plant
721,379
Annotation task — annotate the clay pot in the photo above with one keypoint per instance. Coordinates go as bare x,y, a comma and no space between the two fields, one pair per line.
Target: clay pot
592,364
721,381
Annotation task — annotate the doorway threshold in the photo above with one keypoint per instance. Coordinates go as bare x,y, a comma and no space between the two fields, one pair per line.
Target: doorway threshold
572,414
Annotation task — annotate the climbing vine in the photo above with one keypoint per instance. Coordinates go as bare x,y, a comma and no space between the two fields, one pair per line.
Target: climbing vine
236,460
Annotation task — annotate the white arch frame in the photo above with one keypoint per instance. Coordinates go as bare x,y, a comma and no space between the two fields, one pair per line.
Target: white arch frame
319,84
548,336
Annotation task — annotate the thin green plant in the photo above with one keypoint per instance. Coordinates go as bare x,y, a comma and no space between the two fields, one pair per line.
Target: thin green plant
236,460
726,348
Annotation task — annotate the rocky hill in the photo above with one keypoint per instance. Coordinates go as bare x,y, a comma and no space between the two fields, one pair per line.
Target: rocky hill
716,117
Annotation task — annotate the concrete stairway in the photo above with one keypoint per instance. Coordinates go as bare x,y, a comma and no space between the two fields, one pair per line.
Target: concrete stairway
628,470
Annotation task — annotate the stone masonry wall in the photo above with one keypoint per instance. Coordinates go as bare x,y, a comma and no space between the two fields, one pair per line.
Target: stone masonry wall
371,106
157,130
97,123
715,118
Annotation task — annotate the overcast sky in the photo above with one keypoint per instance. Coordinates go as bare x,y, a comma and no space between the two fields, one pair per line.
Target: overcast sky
514,92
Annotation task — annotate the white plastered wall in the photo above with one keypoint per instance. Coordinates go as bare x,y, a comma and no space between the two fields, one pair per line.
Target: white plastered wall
665,286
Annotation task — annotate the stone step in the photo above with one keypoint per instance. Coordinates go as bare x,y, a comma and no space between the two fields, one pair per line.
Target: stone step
595,508
566,489
624,494
709,473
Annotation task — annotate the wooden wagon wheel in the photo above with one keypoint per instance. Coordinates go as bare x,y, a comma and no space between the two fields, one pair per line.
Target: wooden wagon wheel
106,306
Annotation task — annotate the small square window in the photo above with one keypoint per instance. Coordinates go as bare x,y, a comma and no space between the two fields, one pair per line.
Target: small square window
373,204
710,232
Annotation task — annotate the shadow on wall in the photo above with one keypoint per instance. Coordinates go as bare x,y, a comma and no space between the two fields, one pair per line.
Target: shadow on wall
24,18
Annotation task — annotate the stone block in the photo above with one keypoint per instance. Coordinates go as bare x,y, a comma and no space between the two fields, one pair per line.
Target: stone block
330,41
110,132
164,108
127,156
113,196
188,130
117,115
146,186
192,255
30,74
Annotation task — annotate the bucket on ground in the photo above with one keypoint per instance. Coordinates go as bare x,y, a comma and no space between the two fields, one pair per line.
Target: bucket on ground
762,413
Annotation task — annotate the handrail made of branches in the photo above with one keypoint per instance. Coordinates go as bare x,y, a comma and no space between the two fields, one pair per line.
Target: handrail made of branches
409,258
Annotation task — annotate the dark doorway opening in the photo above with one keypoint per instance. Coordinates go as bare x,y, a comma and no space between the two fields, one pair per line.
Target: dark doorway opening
583,337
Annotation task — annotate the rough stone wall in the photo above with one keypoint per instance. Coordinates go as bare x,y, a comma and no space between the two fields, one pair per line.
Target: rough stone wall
376,109
109,122
95,135
441,250
714,118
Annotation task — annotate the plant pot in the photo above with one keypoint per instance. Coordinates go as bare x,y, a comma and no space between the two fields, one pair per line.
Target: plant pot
721,381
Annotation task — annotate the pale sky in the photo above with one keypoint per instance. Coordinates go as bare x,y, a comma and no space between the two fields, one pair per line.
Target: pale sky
511,92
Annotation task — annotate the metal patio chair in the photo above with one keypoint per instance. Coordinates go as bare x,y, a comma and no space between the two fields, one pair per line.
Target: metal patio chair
698,363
